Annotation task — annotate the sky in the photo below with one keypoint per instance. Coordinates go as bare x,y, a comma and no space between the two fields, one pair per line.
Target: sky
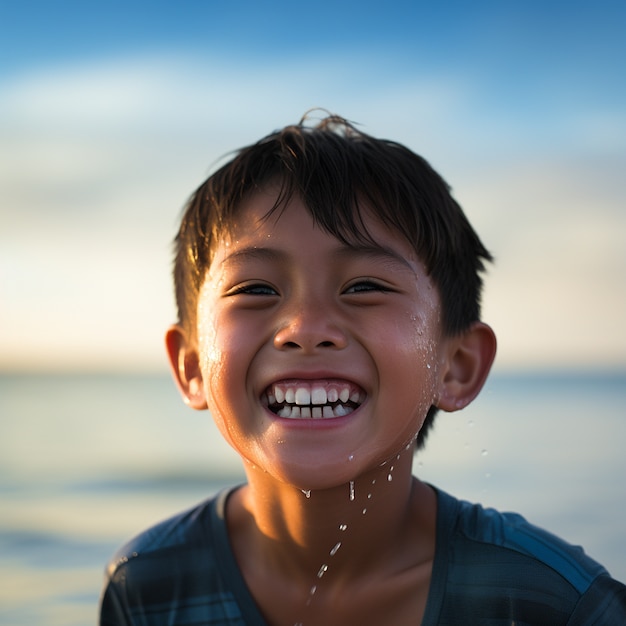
111,114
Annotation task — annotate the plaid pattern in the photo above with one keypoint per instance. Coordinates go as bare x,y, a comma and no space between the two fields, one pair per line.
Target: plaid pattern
490,568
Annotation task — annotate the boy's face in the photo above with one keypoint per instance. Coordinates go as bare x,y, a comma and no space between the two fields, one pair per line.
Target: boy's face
292,323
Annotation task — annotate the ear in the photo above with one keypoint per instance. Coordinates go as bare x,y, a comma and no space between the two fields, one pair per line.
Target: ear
468,362
185,365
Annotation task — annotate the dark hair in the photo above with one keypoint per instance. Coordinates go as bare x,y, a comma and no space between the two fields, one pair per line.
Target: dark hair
338,170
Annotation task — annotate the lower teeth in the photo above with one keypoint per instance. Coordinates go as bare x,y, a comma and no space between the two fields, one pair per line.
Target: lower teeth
315,412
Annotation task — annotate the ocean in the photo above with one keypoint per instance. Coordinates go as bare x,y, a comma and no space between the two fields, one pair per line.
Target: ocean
87,461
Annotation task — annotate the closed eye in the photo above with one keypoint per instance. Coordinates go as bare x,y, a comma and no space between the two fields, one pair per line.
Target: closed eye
365,286
253,289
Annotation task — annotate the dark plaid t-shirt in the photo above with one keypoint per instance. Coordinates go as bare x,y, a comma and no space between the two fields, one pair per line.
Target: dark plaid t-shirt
490,568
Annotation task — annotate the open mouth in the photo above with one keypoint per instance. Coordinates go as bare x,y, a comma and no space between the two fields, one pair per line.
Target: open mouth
318,400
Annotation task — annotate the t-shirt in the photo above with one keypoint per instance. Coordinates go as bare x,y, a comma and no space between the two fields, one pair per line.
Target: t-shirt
489,568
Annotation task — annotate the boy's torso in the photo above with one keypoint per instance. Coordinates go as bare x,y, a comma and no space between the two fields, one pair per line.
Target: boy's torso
488,567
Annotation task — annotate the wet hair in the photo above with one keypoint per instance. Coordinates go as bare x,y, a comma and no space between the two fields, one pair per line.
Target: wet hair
338,171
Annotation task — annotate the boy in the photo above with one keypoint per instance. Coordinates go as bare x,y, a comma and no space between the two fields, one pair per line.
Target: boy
328,291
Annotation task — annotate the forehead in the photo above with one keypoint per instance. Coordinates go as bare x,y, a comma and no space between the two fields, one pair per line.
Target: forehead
262,219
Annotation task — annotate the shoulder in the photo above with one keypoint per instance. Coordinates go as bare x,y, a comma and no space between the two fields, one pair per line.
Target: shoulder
498,565
178,571
184,530
511,534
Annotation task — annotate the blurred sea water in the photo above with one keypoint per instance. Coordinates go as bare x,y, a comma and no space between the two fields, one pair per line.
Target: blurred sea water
87,461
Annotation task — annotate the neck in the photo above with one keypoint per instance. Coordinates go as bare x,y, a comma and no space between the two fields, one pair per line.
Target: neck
348,529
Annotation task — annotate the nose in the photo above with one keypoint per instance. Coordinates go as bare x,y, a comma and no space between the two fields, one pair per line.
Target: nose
310,328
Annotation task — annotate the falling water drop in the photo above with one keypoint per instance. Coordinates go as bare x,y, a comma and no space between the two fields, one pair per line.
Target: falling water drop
389,477
322,571
335,548
306,492
343,527
364,511
351,490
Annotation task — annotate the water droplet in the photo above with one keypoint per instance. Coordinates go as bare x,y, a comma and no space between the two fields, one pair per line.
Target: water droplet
306,492
313,590
369,496
428,365
335,548
484,453
364,511
343,527
389,477
351,490
374,482
322,571
351,457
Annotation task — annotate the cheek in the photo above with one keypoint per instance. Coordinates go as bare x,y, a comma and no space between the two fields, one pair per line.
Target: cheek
414,362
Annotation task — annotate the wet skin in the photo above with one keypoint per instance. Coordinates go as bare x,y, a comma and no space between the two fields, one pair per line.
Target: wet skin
286,305
319,362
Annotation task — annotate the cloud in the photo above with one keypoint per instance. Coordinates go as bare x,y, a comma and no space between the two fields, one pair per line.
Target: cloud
96,160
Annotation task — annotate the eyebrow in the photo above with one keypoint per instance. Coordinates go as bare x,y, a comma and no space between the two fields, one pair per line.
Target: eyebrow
254,253
374,251
381,253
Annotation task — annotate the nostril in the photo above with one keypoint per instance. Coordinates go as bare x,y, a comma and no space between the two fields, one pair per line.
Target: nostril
309,336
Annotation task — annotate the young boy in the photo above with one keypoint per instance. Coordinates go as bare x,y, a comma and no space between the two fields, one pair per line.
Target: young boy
328,291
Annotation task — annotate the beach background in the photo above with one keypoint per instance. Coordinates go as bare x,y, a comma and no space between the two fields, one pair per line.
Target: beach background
88,461
110,116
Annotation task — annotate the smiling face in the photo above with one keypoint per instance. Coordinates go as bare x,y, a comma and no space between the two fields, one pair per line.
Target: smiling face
318,360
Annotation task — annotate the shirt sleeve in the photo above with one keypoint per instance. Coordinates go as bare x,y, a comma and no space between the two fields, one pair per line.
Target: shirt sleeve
603,604
112,609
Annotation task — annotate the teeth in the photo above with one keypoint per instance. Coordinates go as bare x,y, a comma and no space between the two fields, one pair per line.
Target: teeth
303,396
313,402
316,412
327,411
318,395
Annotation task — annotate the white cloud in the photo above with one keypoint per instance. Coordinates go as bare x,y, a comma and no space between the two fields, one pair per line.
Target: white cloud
96,160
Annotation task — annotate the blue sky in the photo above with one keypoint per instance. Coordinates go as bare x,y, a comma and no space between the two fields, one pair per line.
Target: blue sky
111,114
